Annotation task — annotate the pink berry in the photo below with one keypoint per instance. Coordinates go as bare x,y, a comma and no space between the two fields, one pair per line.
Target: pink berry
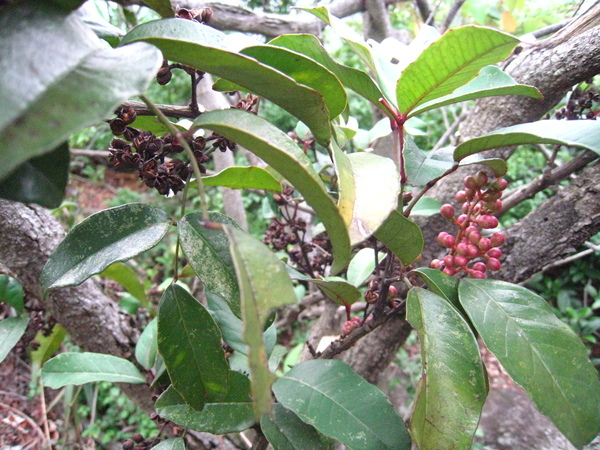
462,249
487,221
498,239
470,229
494,253
470,183
484,244
436,264
461,219
357,320
477,274
392,292
449,241
480,267
470,193
442,236
461,196
460,261
502,184
449,260
447,211
493,264
449,271
474,237
472,250
481,179
465,207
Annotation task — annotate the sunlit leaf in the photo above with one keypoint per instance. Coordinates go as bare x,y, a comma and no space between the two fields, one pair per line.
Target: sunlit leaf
108,236
279,151
146,349
362,265
441,284
11,330
402,236
81,368
540,352
128,278
334,399
449,63
576,133
249,177
11,292
453,385
190,344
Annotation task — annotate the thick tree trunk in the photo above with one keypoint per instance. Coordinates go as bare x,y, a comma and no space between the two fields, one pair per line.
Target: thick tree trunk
29,234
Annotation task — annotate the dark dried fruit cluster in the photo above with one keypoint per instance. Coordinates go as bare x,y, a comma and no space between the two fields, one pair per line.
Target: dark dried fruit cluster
137,441
582,104
148,153
468,249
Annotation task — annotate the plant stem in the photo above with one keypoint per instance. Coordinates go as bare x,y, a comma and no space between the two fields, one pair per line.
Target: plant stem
425,188
188,151
183,202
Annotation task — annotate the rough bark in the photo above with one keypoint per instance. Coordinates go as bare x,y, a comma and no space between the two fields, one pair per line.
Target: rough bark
28,237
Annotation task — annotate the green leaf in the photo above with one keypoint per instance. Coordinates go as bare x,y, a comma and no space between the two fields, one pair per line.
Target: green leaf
207,250
279,151
250,177
540,352
402,236
81,368
423,167
11,292
190,344
453,386
497,165
206,49
449,63
355,79
363,204
361,266
48,346
426,206
146,348
305,71
109,236
490,82
576,133
285,431
68,79
338,290
441,284
126,277
171,444
231,415
163,7
264,284
338,402
11,330
42,180
154,125
231,326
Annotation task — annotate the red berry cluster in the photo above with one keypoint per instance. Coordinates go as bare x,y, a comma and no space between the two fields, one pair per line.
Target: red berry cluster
350,325
469,250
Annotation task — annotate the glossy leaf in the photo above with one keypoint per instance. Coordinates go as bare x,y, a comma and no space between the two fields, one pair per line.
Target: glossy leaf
540,352
207,250
453,386
11,330
163,7
11,292
364,204
109,236
338,290
264,284
496,165
423,167
285,431
305,71
354,79
41,180
146,349
490,82
128,278
68,79
330,396
231,326
441,284
426,206
576,133
231,415
361,266
81,368
449,63
249,177
283,154
171,444
206,49
402,236
190,343
47,347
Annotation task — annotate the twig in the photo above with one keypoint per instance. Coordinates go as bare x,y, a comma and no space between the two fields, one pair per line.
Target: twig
568,259
424,11
44,412
550,29
451,14
449,132
547,179
425,188
177,112
25,417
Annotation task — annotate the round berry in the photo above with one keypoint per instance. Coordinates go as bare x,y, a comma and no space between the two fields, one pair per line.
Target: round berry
484,244
392,292
472,250
449,241
487,221
470,229
462,249
481,178
461,219
474,237
470,183
498,239
460,261
449,260
480,267
447,211
494,253
461,196
442,236
477,274
465,207
449,271
436,264
502,183
493,264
